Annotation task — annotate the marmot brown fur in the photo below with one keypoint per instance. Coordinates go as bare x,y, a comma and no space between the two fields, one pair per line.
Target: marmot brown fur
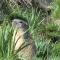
24,45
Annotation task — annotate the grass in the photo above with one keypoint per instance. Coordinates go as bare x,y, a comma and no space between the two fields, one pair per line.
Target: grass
40,32
56,6
5,41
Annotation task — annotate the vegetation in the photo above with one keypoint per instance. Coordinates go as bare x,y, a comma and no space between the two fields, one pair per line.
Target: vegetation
45,35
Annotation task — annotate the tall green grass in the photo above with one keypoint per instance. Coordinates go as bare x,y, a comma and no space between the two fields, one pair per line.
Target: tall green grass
6,33
40,32
56,11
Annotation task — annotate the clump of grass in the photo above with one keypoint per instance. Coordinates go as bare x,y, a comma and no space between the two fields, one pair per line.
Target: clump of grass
6,33
56,6
56,49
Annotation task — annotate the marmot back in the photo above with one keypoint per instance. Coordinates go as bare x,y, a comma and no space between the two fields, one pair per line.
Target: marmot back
24,46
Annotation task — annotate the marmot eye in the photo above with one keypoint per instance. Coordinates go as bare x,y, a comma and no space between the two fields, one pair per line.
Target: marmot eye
20,22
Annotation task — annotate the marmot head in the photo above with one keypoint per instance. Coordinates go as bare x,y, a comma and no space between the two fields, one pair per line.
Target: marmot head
21,27
20,24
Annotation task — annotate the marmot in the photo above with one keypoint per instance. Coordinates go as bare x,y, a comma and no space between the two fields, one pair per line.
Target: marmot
24,45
